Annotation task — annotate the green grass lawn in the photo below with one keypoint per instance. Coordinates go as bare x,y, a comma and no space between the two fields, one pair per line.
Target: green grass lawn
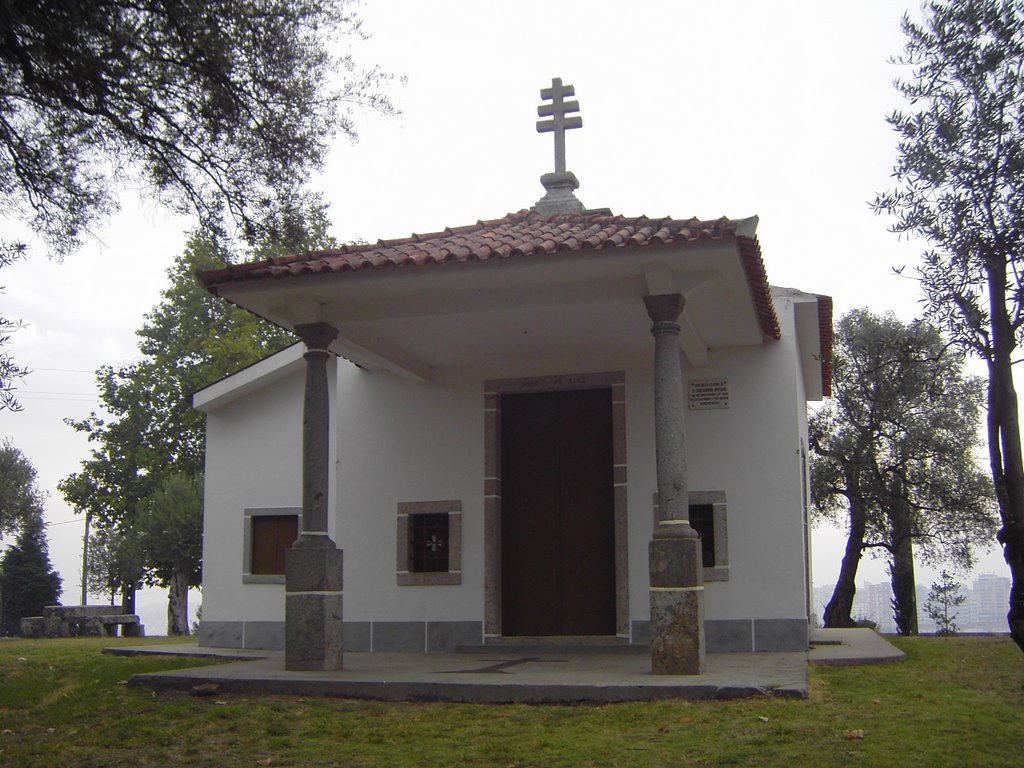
952,702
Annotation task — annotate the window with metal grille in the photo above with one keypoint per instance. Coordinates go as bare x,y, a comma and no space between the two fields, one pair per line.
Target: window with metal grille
428,542
702,520
271,536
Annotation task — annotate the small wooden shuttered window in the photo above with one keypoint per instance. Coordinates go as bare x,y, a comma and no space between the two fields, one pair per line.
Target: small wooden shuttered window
271,536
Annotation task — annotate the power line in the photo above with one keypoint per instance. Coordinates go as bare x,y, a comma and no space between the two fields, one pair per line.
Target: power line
79,399
70,394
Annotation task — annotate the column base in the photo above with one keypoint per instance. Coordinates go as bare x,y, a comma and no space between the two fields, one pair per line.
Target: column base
677,631
677,602
313,635
313,608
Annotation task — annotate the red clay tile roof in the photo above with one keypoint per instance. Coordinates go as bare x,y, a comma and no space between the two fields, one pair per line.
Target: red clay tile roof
757,279
525,233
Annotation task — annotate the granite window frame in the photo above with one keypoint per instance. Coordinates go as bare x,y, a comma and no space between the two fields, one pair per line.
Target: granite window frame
404,573
248,577
719,516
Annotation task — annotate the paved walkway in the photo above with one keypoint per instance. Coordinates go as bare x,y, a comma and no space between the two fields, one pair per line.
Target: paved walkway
516,676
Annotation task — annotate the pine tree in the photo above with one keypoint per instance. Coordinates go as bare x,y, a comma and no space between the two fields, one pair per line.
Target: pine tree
27,579
943,598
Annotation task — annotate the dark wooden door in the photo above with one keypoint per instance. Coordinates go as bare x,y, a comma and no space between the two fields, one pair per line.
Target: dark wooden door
557,514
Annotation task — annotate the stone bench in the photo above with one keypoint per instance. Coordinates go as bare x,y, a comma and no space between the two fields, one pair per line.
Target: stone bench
82,621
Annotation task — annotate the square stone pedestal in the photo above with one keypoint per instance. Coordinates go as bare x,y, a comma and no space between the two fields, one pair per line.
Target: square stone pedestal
313,607
677,631
677,606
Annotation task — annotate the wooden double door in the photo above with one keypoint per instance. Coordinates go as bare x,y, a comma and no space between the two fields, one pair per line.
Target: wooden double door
557,514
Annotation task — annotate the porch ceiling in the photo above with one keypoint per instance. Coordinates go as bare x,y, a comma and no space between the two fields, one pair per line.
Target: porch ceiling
413,321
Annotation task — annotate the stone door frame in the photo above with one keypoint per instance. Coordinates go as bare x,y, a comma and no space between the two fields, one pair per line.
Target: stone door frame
493,390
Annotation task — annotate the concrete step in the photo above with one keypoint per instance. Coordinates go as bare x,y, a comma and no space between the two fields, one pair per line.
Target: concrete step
573,644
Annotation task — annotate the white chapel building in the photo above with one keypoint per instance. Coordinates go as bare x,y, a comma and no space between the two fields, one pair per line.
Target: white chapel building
475,435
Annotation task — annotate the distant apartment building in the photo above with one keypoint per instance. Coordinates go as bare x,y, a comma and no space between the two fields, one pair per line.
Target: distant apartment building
984,610
872,602
988,602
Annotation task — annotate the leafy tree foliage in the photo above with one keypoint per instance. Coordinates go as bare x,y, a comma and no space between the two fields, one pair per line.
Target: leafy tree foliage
28,582
20,499
960,185
114,559
10,371
893,456
216,107
116,479
148,453
192,339
943,599
171,526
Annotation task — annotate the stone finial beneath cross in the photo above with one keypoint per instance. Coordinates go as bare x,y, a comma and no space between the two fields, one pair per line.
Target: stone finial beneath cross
560,184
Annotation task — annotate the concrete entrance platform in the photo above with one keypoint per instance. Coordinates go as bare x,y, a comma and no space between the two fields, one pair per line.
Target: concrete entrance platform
842,647
519,675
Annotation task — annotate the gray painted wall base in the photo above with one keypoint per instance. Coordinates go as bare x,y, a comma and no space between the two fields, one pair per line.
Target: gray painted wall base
721,635
358,636
745,635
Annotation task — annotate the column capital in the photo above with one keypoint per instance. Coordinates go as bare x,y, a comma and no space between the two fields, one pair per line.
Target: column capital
664,307
316,335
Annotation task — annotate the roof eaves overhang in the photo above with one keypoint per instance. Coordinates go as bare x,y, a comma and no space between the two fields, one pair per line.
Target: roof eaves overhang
825,334
252,377
813,319
383,310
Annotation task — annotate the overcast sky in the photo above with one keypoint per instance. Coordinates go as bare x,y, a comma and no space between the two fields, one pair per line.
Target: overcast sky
689,108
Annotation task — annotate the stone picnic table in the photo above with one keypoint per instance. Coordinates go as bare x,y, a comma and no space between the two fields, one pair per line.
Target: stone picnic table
82,621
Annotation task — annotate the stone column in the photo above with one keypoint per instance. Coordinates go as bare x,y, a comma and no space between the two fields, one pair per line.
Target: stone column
676,567
313,566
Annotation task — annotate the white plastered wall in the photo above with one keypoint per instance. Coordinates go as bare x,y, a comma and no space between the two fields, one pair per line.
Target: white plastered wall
398,441
751,451
253,460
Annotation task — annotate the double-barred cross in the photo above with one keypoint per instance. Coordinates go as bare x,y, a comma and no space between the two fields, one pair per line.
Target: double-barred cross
558,123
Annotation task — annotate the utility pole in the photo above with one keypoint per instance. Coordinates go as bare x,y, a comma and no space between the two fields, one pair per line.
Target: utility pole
85,560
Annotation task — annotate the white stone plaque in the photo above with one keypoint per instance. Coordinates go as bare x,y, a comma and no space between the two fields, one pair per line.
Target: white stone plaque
708,394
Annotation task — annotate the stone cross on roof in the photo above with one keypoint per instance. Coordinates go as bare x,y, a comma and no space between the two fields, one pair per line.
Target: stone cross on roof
559,197
558,123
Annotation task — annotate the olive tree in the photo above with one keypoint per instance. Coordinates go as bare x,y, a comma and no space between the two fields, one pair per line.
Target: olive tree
959,185
893,457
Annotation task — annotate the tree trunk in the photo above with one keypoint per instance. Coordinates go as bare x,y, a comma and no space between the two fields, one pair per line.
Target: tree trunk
177,602
904,583
904,587
128,597
1005,448
838,612
1009,492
